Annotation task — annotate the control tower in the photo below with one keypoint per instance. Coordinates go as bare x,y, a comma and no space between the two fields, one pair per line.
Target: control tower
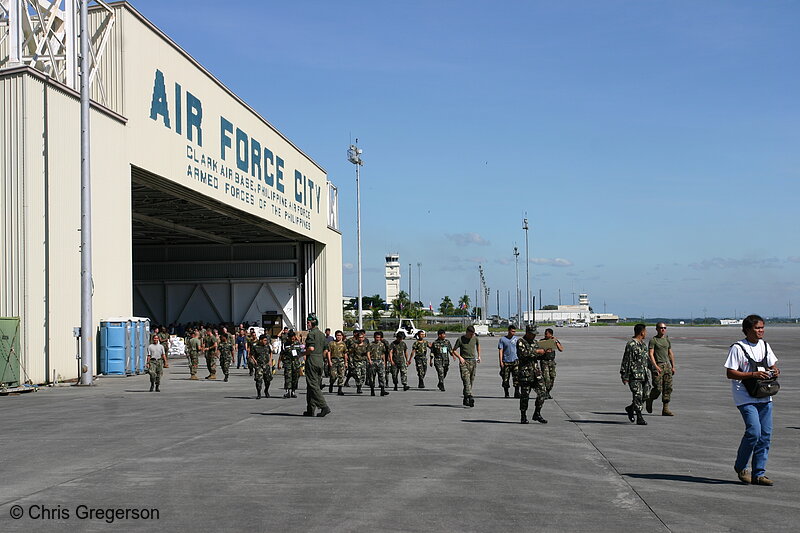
392,277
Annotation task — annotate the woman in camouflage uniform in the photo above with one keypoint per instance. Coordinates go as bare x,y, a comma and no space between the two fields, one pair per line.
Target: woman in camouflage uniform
420,349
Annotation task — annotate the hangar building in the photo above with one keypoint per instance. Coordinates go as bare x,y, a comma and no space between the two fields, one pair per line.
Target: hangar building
202,210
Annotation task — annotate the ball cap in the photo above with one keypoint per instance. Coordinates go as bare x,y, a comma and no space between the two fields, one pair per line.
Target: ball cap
531,330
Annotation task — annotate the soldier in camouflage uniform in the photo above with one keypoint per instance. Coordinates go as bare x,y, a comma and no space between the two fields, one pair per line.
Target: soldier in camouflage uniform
210,348
226,345
351,370
420,349
529,375
291,356
635,372
358,357
548,361
398,355
441,350
262,365
156,357
252,340
468,352
376,364
337,361
193,349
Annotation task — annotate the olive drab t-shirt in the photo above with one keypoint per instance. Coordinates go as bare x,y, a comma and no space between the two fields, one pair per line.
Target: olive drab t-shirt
468,347
316,339
660,349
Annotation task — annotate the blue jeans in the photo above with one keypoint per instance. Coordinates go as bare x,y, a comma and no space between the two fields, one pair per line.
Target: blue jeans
241,358
757,436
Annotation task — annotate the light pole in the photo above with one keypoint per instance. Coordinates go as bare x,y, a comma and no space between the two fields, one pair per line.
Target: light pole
527,272
516,268
419,282
87,319
354,156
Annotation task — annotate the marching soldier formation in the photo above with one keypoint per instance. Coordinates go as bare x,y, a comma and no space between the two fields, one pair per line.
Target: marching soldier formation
527,364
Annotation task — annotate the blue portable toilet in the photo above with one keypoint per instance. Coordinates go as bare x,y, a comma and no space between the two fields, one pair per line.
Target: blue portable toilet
132,349
113,346
142,326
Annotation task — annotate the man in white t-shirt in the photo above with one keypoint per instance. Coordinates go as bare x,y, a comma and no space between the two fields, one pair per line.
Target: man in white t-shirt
756,412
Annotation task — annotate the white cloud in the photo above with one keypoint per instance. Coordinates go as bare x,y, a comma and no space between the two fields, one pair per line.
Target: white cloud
463,239
347,266
793,259
554,262
729,262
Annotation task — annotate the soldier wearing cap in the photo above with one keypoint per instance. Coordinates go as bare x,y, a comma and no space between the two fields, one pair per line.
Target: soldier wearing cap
315,350
529,375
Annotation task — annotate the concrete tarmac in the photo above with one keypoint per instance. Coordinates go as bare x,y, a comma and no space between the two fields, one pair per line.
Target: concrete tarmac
210,457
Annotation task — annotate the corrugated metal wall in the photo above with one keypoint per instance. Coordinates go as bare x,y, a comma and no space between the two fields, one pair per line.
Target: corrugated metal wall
107,87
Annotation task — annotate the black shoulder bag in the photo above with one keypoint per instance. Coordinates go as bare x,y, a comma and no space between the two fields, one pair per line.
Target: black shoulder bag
760,388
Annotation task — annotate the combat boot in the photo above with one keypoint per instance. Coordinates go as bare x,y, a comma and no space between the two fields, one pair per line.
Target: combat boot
212,376
465,402
294,395
266,389
258,391
193,377
395,386
158,386
406,387
372,391
340,393
665,410
308,412
421,384
152,385
325,411
640,421
384,392
523,419
226,378
288,394
472,401
537,415
330,388
630,412
505,390
358,389
648,405
516,392
441,386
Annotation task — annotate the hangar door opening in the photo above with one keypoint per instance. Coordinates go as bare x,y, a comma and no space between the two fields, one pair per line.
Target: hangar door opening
198,260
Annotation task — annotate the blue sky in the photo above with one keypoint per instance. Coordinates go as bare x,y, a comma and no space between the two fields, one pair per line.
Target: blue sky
653,144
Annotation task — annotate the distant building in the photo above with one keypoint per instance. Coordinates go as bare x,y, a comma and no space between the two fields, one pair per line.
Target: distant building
572,313
392,277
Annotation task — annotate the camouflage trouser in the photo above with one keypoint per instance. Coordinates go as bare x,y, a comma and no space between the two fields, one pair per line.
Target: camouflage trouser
211,363
155,367
525,393
548,374
422,365
467,369
509,370
263,373
291,373
338,371
441,364
194,361
225,360
359,372
401,368
376,369
662,384
639,391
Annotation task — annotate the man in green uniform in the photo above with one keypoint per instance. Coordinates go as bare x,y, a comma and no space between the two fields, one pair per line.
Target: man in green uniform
291,356
226,345
262,365
662,362
529,375
635,373
377,356
252,340
398,354
358,358
193,349
210,349
419,350
337,360
468,352
441,350
550,344
315,350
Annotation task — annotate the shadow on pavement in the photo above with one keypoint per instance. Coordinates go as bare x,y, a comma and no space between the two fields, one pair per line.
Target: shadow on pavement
278,414
241,397
688,479
140,390
438,405
491,421
620,413
599,422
